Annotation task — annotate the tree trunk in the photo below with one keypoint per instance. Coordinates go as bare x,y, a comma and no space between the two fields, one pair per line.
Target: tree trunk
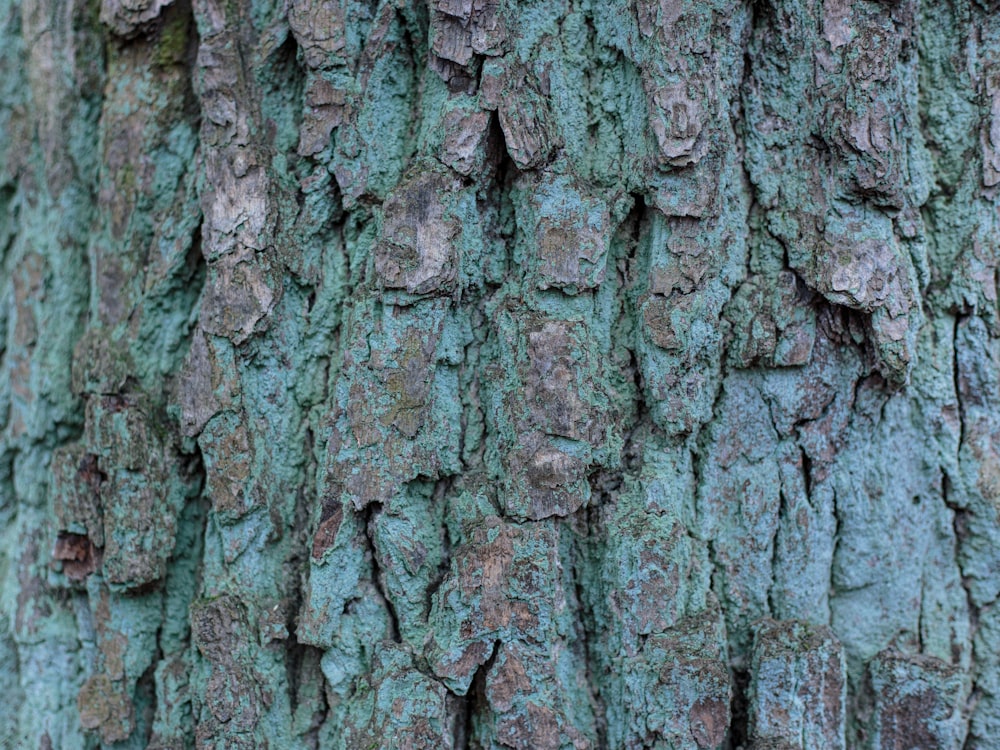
499,373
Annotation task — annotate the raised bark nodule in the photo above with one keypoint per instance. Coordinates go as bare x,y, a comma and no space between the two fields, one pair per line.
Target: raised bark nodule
499,374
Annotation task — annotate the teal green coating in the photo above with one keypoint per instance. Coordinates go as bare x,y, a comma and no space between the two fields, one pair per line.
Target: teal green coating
803,661
499,374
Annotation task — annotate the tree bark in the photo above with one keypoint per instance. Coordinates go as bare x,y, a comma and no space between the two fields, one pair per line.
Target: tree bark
499,374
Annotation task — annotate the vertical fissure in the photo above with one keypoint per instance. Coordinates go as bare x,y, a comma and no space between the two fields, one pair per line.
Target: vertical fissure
739,727
475,700
371,513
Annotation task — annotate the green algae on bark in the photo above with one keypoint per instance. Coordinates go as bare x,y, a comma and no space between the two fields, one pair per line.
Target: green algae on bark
499,373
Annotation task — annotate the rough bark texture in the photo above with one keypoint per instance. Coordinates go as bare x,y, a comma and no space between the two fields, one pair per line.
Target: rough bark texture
499,373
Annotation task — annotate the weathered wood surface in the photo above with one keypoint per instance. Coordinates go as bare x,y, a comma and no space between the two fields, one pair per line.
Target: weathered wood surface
499,373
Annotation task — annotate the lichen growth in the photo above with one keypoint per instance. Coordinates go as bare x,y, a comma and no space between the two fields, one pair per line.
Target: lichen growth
499,373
